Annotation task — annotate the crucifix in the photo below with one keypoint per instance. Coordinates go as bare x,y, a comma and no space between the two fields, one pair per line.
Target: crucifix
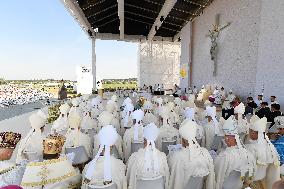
213,34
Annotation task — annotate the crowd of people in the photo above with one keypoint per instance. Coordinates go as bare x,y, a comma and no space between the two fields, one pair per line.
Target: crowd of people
15,95
158,142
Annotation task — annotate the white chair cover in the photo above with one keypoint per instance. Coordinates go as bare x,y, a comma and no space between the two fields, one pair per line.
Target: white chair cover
233,181
165,145
195,183
135,146
109,186
81,155
216,142
151,183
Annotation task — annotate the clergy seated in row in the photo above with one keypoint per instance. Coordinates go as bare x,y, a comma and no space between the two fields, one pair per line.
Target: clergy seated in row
96,107
190,115
112,108
168,134
60,125
105,118
31,147
175,119
75,107
133,134
126,121
10,173
211,128
235,163
148,168
192,166
105,170
242,124
55,171
267,160
76,139
148,115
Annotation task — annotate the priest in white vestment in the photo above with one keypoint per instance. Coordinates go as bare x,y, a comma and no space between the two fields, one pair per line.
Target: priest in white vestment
242,124
189,114
30,147
175,118
178,106
149,162
234,163
61,123
149,117
126,121
10,172
134,134
105,169
211,128
111,108
167,131
75,107
55,171
96,107
75,137
190,161
267,159
105,119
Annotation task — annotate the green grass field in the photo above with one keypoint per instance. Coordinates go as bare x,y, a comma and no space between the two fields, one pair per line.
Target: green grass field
116,85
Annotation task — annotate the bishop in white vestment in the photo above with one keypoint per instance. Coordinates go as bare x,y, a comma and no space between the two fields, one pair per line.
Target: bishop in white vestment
61,123
211,128
149,117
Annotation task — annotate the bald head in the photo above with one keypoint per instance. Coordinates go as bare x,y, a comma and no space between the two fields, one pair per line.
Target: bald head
278,185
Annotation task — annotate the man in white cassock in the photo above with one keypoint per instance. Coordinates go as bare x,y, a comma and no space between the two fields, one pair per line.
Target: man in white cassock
96,107
105,118
75,107
85,104
242,124
149,117
105,169
167,131
148,163
211,128
235,163
267,159
189,114
30,147
134,134
10,172
190,162
175,119
75,137
61,123
88,122
111,108
126,121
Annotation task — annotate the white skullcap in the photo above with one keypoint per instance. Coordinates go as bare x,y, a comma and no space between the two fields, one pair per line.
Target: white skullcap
240,109
147,105
74,120
164,112
105,118
110,106
188,130
37,120
64,108
114,98
150,133
107,136
230,126
137,115
189,113
75,102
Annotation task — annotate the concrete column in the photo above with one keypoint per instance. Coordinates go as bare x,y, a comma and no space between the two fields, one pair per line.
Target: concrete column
94,63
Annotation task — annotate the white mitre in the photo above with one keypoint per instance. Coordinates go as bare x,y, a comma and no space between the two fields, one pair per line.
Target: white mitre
107,136
159,101
75,102
74,120
147,105
105,118
114,98
151,133
110,106
64,109
164,112
240,109
189,113
138,115
37,120
254,118
188,130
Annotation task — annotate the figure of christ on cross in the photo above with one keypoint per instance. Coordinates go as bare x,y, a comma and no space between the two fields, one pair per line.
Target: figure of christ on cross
213,34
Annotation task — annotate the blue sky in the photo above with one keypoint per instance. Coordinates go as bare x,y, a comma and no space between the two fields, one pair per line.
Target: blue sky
39,39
